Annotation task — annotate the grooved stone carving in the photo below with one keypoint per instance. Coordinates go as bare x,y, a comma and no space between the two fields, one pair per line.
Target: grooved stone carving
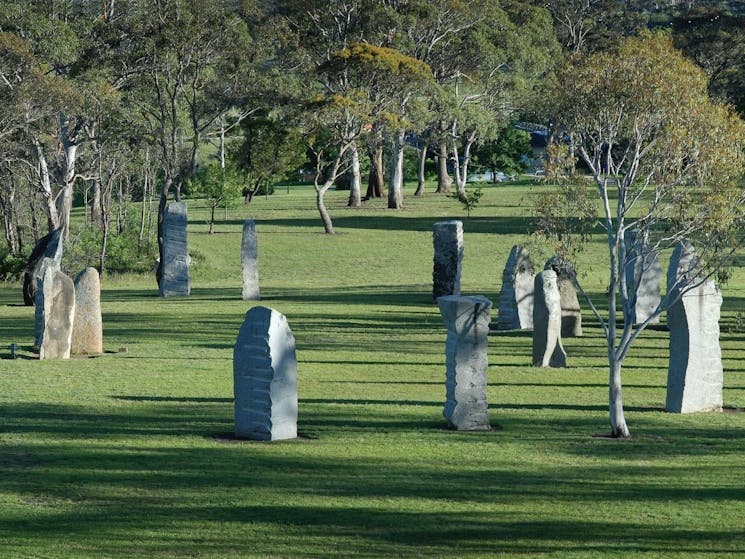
516,295
265,377
175,281
695,375
250,261
55,295
448,244
571,313
467,321
87,329
643,274
49,246
547,348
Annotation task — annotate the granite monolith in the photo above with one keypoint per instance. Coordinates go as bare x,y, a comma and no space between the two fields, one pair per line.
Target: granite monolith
250,261
467,321
56,297
548,350
695,375
174,269
643,275
516,295
49,246
265,377
448,247
87,329
571,312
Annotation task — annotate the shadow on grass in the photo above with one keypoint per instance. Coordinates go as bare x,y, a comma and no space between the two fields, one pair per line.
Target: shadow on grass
397,222
148,494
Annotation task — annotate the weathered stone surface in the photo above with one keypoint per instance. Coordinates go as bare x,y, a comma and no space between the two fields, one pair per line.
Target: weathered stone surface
448,244
175,280
48,246
467,321
695,375
265,377
571,313
643,274
516,295
250,261
56,296
683,266
87,329
547,348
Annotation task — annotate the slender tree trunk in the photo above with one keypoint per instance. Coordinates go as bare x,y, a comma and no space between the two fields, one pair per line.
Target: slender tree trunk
328,227
615,399
376,179
355,195
422,162
53,219
167,182
395,192
444,182
70,144
212,219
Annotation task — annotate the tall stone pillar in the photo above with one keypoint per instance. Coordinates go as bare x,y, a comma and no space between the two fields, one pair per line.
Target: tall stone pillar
467,321
695,376
516,295
87,329
56,297
250,261
175,280
448,244
643,274
547,348
265,377
571,312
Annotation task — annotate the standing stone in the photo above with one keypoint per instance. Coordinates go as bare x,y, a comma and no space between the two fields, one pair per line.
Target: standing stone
56,296
467,321
265,377
695,375
174,280
49,246
87,330
448,243
547,348
683,266
643,273
571,313
250,261
516,296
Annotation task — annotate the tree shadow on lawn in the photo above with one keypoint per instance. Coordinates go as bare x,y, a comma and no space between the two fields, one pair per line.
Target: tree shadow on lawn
148,487
398,222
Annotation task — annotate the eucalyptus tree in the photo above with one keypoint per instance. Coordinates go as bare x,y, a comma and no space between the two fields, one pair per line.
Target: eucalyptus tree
665,161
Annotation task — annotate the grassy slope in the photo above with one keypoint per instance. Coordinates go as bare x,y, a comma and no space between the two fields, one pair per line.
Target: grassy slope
122,455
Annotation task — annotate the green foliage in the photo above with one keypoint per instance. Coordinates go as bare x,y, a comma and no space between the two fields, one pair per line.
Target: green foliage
125,252
11,267
506,153
469,200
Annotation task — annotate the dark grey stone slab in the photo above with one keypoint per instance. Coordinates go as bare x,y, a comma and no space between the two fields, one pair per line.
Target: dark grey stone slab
175,280
448,246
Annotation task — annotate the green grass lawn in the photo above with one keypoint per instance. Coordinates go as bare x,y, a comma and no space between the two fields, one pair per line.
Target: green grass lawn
128,454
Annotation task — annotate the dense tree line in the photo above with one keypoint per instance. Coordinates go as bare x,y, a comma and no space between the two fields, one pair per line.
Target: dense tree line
106,103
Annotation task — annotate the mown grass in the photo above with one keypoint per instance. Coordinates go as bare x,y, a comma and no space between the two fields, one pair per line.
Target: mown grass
128,454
